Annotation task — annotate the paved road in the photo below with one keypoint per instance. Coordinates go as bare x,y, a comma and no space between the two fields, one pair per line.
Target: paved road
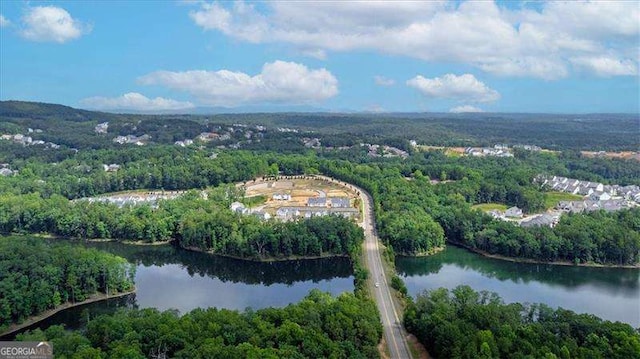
394,333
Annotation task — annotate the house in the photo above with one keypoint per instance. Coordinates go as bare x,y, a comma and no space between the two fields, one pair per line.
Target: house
513,212
597,187
208,136
281,197
613,205
111,168
262,215
317,202
600,196
584,191
5,172
340,202
101,127
287,213
238,207
543,220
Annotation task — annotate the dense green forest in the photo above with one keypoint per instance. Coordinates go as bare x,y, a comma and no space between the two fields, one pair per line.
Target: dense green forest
598,237
408,207
194,222
320,326
463,323
36,276
413,215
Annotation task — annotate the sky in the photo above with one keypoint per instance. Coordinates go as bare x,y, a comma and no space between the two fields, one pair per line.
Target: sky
382,56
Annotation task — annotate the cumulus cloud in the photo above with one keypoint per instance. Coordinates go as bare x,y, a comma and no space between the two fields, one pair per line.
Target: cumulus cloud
135,101
535,42
278,82
607,66
465,109
51,24
4,21
463,88
383,81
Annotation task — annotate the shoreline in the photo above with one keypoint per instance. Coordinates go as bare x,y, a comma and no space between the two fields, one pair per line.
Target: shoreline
433,251
95,240
34,319
191,249
263,260
534,261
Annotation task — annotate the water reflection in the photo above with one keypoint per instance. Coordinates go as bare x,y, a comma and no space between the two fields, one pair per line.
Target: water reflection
170,278
229,269
610,293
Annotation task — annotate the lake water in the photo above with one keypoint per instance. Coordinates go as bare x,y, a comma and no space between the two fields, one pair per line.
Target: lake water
171,278
610,293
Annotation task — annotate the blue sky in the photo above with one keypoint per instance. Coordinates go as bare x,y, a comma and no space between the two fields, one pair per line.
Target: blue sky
572,57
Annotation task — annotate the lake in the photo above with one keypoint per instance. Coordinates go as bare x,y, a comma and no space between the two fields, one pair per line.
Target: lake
171,278
610,293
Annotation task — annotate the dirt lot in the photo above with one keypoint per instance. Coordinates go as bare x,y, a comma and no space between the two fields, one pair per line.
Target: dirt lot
621,155
299,189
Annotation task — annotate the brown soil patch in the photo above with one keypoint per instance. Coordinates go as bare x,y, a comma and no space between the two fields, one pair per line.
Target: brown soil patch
417,348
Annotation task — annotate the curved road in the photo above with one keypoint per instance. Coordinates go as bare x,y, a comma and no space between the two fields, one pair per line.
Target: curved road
394,333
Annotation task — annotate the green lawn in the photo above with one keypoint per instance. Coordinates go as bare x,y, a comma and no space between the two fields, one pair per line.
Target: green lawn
552,198
490,206
254,201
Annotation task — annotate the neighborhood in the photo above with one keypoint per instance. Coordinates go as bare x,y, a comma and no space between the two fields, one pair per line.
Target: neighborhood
315,206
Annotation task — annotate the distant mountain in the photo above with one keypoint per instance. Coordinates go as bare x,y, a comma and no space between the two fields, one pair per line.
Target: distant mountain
24,109
225,110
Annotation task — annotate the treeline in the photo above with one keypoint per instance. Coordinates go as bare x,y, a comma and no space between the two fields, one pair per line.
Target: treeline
320,326
463,323
36,276
413,215
157,167
599,237
222,232
195,222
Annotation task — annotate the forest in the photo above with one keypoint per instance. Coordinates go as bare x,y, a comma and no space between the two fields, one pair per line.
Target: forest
36,275
319,326
195,223
462,323
413,215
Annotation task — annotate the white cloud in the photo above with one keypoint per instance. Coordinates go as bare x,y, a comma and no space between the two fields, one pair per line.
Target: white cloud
383,81
315,53
607,66
522,42
465,109
135,101
51,24
279,82
4,21
464,88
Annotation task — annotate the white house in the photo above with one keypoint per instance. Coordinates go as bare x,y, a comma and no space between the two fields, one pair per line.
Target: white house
238,207
513,212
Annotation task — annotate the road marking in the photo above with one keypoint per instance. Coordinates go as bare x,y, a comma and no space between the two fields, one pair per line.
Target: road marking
375,260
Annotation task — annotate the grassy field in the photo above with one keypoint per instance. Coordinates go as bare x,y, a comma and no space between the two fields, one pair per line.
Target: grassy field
254,201
490,206
552,198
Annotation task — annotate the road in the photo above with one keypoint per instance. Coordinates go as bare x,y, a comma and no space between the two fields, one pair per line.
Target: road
394,333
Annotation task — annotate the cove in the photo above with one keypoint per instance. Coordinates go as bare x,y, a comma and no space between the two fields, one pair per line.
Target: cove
168,277
610,293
